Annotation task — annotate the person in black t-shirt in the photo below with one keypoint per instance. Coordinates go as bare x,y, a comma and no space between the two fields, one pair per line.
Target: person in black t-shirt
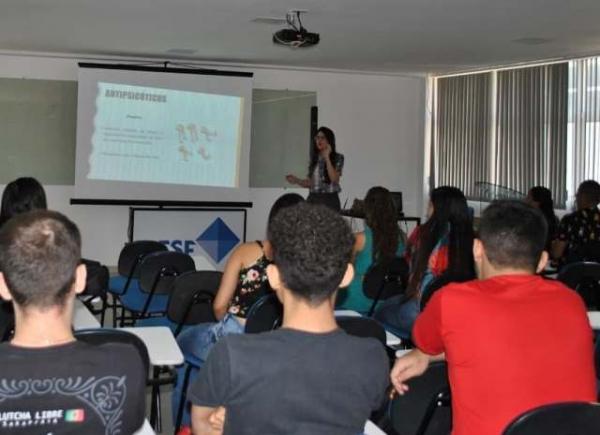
308,377
49,382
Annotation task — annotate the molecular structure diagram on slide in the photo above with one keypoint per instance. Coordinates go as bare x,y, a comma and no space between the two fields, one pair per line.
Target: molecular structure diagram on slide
189,136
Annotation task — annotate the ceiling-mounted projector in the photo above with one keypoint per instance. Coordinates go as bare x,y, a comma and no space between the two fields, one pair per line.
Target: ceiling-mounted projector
296,36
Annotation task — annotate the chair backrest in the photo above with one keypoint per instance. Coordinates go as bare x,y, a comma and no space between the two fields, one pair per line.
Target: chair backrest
584,278
424,409
132,254
159,270
192,296
569,418
264,315
96,283
103,336
362,327
574,274
384,281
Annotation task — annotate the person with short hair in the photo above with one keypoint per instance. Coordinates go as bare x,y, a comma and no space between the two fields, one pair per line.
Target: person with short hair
309,376
49,381
582,226
513,340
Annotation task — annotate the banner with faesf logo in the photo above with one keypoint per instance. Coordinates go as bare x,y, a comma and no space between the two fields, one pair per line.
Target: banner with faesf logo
207,235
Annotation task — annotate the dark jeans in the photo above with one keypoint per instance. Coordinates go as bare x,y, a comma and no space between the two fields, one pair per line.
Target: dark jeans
331,200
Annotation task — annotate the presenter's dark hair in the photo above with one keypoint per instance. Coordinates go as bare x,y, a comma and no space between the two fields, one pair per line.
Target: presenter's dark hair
22,195
312,247
39,253
285,200
314,155
513,234
451,219
381,217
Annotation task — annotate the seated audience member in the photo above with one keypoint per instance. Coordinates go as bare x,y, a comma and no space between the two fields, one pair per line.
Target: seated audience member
49,382
442,245
501,334
380,242
244,281
578,228
541,198
19,196
309,377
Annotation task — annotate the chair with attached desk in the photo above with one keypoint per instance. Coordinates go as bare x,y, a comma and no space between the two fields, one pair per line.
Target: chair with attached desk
584,278
425,408
157,273
96,287
569,418
382,281
190,301
130,258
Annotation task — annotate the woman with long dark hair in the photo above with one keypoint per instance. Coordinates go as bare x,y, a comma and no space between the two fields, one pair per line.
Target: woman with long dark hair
442,245
380,242
541,197
324,171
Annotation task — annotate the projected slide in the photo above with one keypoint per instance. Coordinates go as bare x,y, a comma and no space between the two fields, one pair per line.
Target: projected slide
154,135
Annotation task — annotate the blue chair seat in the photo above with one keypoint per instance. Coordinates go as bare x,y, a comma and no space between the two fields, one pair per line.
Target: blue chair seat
135,299
116,284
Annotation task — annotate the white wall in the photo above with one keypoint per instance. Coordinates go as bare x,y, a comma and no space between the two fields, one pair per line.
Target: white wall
378,121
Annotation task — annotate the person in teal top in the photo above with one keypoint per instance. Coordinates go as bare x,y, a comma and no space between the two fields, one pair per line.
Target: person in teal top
381,240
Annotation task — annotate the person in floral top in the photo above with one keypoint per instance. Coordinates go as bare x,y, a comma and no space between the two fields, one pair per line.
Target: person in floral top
442,245
244,281
581,227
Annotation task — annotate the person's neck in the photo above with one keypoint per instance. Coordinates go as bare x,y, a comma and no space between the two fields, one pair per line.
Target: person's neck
492,272
37,328
301,316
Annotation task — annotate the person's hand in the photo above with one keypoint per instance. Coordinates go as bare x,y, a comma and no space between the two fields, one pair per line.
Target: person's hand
325,151
292,179
407,367
217,419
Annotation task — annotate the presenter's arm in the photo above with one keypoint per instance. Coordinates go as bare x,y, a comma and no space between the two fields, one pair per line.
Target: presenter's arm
302,182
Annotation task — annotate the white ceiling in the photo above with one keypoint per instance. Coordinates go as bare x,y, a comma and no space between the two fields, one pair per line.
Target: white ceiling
399,36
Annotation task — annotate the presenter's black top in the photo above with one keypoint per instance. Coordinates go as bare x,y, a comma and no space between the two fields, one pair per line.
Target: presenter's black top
294,382
74,388
318,183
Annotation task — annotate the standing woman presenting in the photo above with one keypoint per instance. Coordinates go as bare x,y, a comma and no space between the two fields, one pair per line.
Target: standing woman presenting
324,171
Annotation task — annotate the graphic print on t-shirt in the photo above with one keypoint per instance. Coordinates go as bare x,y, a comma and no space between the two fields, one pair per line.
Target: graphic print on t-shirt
103,396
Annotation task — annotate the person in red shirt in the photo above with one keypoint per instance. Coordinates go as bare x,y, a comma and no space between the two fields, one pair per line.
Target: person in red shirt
512,339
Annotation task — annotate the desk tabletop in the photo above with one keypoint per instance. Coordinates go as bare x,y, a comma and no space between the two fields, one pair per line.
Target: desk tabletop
390,339
160,342
146,429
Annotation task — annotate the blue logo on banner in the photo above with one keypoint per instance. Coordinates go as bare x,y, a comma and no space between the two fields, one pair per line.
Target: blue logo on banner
217,240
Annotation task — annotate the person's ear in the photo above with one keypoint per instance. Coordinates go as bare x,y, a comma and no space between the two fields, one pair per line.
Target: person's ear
478,251
4,293
80,278
543,261
348,276
273,276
